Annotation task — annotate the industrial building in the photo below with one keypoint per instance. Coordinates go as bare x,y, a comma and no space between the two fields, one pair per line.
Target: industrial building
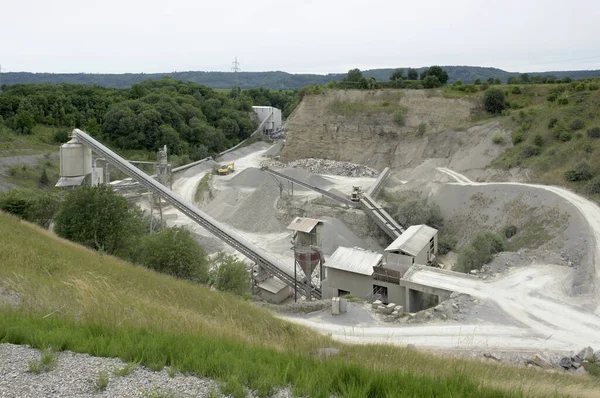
268,112
373,276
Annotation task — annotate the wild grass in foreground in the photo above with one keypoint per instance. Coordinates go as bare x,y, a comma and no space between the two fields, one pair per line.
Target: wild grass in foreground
105,306
235,364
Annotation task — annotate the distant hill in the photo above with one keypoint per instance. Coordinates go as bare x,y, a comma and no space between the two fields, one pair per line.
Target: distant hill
273,80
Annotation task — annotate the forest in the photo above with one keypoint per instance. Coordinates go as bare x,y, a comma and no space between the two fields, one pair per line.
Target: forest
191,119
275,80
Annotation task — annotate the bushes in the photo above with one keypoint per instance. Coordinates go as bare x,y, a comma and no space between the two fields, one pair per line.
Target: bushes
415,212
552,122
529,151
446,243
498,139
479,252
100,219
551,97
509,231
31,205
517,137
581,172
594,186
174,251
431,81
516,90
563,101
399,118
493,101
577,124
421,129
594,132
538,140
230,275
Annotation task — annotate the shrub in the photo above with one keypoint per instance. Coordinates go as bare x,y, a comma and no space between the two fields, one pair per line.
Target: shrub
552,122
593,86
563,101
594,186
470,88
431,81
529,151
446,243
174,251
480,251
517,137
538,140
498,139
399,118
594,132
100,219
580,87
493,101
577,124
477,81
516,90
34,206
415,212
457,83
484,86
509,231
421,129
551,97
230,275
565,136
581,172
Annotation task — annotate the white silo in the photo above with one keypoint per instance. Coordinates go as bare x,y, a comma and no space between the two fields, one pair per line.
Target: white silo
75,163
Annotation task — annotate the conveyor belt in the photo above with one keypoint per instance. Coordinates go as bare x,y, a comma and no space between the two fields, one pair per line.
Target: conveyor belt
226,234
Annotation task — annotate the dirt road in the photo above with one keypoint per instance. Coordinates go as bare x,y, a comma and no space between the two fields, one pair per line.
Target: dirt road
535,297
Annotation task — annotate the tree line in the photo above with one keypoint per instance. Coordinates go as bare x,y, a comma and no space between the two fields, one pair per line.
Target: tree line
191,119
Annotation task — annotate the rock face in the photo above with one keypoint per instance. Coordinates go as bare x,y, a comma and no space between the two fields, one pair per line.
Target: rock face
369,134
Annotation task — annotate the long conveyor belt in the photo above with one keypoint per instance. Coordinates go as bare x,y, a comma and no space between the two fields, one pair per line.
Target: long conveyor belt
226,234
380,216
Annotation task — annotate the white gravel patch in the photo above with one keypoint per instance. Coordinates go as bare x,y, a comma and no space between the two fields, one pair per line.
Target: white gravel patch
76,375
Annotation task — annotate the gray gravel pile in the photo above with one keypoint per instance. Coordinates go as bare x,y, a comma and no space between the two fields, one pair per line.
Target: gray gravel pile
254,213
248,178
307,177
76,375
335,233
327,166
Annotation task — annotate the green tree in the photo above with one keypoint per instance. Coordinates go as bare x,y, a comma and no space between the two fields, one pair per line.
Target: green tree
431,81
412,74
478,81
100,219
31,205
493,100
497,81
230,274
398,74
354,75
174,251
44,180
24,122
436,71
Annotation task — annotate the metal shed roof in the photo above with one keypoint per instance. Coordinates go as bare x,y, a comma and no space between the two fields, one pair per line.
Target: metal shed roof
272,285
354,260
304,224
413,240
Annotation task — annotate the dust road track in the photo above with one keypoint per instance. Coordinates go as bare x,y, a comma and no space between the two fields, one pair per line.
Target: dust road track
534,297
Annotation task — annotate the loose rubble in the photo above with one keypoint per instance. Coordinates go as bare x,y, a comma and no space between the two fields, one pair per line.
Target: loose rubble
390,312
326,166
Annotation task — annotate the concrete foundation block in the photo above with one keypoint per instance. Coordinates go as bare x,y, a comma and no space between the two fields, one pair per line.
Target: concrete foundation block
376,304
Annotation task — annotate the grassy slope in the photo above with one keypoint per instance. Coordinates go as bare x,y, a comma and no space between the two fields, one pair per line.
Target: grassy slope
74,299
532,117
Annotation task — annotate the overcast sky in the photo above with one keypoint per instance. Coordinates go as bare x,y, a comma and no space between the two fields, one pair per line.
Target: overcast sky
299,36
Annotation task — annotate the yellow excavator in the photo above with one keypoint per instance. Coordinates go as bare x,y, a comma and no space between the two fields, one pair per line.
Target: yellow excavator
226,169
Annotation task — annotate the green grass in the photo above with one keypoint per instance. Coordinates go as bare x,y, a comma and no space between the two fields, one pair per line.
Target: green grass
125,370
41,141
73,300
101,382
202,188
46,363
28,175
